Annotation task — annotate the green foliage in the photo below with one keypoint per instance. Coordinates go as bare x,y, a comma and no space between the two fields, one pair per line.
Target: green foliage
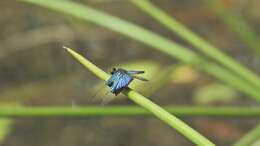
214,93
198,42
237,24
152,39
250,139
231,72
5,128
129,111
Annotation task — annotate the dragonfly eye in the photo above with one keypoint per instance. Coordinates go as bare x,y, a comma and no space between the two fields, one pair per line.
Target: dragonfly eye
113,70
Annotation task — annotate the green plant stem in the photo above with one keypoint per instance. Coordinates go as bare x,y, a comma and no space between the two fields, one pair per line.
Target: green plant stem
159,112
236,23
250,137
197,41
5,129
226,76
157,42
89,111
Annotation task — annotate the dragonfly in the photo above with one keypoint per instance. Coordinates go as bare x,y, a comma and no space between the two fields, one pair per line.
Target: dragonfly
121,78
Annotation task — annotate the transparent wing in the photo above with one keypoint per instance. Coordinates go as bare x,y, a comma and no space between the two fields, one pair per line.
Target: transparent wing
135,72
140,78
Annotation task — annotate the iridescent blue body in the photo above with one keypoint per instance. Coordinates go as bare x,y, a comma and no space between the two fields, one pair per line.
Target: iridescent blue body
121,78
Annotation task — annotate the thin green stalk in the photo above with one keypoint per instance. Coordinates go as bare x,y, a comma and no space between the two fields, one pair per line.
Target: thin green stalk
5,129
197,41
249,138
89,111
237,24
159,112
157,42
226,76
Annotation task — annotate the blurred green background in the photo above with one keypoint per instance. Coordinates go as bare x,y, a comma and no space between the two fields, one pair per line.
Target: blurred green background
36,71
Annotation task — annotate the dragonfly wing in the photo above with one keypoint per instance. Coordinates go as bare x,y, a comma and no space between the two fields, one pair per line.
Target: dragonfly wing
140,78
123,81
135,72
113,79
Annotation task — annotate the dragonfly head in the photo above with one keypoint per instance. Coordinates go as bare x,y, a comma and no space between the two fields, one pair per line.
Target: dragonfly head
113,71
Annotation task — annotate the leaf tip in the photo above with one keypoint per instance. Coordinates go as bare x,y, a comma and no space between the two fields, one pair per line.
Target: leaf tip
68,49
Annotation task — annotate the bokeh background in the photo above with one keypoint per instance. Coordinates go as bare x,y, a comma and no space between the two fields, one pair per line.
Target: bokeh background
36,71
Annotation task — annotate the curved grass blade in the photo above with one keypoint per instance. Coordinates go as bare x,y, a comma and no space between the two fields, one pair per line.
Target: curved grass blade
197,41
147,37
250,137
158,111
237,24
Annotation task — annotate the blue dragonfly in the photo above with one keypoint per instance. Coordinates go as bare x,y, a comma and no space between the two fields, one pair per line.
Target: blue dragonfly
121,78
